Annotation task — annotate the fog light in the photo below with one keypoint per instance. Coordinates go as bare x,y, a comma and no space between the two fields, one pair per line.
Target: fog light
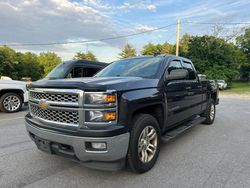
99,145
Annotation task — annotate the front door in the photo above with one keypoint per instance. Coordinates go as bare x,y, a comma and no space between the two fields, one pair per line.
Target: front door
177,96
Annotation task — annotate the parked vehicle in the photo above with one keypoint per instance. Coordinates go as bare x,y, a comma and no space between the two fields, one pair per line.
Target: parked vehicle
13,94
222,84
5,78
75,69
122,113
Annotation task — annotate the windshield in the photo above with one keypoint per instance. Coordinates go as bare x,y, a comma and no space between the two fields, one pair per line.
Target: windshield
146,67
59,71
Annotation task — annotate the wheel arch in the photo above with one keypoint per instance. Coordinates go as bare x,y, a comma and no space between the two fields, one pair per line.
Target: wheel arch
16,91
156,110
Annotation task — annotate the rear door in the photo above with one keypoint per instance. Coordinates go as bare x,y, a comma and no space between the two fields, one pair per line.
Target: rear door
194,90
177,96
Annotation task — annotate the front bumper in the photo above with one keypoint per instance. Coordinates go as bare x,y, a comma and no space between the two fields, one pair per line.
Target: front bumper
113,158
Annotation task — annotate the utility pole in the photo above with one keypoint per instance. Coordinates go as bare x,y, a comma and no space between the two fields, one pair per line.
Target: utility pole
177,37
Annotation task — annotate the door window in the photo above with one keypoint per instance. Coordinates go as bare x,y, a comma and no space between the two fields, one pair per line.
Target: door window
77,72
188,66
89,72
174,65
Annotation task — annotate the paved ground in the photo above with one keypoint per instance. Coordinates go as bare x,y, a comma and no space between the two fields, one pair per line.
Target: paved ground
205,156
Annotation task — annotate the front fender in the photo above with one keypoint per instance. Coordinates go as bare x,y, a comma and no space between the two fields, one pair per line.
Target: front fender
132,101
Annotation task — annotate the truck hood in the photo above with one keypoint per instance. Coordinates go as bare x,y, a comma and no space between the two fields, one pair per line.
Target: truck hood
11,82
98,83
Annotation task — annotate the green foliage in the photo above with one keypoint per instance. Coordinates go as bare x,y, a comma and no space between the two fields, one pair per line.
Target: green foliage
28,66
243,41
239,87
151,49
48,60
7,62
127,51
215,57
87,56
17,65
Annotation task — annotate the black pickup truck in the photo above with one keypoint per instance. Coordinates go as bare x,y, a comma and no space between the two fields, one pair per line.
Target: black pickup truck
122,114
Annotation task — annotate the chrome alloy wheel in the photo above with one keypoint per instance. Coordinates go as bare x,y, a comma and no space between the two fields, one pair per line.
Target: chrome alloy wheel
11,103
147,144
212,111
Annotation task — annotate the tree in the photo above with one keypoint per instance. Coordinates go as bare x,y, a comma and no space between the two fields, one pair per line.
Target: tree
215,57
167,48
17,65
243,41
48,60
29,66
184,44
87,56
151,49
8,62
127,51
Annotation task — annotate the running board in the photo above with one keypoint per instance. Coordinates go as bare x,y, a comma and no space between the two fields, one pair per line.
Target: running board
180,129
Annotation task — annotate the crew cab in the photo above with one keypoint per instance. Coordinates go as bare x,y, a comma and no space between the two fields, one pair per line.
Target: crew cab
120,115
13,94
75,69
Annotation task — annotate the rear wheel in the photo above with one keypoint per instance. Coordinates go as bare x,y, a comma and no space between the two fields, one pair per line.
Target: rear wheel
144,144
209,114
10,102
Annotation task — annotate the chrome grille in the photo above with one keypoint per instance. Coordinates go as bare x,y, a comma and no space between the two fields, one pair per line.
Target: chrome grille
55,97
70,118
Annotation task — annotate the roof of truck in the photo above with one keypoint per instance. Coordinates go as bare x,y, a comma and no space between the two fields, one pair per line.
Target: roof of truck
164,56
87,62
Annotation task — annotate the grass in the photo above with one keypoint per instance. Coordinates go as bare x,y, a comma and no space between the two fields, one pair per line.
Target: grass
238,88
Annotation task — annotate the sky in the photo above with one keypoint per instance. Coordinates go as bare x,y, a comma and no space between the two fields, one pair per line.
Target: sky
46,21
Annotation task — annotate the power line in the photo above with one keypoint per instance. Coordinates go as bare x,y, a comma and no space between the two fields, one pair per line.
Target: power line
88,41
123,36
222,23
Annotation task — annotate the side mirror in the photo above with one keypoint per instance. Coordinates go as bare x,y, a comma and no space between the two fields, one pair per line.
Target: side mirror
177,74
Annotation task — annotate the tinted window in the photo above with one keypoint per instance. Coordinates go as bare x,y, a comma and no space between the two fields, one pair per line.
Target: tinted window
188,66
146,67
174,65
77,72
89,72
60,70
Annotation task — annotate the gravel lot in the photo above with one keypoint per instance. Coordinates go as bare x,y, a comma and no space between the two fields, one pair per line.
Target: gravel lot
204,156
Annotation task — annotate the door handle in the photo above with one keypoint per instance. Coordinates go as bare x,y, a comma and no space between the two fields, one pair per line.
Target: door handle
188,88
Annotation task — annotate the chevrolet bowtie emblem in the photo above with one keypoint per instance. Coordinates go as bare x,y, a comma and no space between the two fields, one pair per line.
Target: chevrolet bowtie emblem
43,104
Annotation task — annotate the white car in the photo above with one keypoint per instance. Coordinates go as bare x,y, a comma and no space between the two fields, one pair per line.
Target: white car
13,94
222,84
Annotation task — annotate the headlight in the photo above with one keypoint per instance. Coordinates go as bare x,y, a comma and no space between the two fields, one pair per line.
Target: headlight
100,107
100,116
98,98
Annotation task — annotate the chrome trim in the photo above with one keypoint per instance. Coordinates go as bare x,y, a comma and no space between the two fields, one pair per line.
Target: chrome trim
80,107
59,91
56,122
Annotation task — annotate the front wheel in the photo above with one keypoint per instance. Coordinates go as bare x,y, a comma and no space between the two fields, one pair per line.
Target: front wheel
144,144
10,102
209,113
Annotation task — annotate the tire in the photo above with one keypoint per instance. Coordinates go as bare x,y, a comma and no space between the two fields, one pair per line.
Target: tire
209,113
10,102
142,124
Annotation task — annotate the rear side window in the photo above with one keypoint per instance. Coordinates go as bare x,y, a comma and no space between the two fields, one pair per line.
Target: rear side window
89,72
77,72
174,65
188,66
